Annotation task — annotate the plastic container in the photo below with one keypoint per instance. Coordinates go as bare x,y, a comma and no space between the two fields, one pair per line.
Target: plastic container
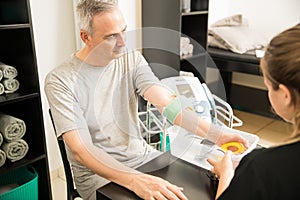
191,148
252,141
27,180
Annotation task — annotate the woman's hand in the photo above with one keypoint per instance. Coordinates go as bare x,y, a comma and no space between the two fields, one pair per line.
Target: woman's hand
154,188
222,167
224,170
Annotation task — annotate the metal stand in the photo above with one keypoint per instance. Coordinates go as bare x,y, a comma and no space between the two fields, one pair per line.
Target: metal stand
153,123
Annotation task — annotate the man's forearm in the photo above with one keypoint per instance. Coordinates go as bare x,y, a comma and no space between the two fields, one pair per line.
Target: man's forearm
98,160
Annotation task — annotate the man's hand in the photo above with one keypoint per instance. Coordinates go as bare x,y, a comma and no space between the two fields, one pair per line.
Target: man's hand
154,188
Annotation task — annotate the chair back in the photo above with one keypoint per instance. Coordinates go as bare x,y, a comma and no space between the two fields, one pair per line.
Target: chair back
71,190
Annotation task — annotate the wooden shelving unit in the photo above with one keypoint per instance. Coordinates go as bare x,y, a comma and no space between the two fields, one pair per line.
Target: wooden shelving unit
173,23
18,50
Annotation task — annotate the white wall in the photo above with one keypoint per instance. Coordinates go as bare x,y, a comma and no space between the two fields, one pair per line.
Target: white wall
132,12
53,29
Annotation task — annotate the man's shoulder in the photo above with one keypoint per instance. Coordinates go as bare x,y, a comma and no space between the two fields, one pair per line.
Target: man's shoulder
69,63
65,69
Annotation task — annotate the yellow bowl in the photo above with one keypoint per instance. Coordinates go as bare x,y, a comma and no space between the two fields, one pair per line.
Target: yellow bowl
235,147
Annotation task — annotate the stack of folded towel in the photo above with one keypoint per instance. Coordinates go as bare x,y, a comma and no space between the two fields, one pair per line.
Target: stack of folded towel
8,81
2,153
13,147
185,46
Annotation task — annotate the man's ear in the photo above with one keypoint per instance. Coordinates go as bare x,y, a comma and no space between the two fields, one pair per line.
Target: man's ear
85,37
287,96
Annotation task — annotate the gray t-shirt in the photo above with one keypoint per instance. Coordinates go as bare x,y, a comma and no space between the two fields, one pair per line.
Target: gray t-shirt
103,102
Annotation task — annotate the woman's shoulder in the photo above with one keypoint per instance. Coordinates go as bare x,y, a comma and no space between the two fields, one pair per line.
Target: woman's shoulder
279,154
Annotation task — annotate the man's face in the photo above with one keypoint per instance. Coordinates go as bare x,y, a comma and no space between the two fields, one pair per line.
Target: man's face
108,39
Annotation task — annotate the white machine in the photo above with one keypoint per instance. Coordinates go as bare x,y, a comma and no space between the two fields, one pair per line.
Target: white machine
181,143
202,101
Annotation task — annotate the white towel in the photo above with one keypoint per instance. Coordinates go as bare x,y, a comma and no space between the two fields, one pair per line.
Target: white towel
185,46
15,150
10,85
8,71
2,157
1,75
1,139
11,127
187,49
184,41
2,89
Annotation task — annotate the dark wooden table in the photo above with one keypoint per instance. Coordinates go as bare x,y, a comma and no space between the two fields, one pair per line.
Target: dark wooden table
198,183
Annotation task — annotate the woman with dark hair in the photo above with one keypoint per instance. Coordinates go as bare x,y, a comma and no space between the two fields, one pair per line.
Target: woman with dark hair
271,173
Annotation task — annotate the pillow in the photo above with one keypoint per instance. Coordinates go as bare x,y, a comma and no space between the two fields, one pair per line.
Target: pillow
238,39
234,20
213,42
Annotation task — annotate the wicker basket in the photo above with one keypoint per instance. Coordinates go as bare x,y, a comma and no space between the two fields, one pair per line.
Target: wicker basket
27,180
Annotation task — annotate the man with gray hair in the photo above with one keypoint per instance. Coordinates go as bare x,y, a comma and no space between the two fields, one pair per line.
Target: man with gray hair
93,100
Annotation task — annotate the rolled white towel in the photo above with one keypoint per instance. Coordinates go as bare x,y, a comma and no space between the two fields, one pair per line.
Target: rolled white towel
187,49
190,49
2,157
2,88
184,41
11,127
15,150
183,51
8,71
1,139
1,75
10,85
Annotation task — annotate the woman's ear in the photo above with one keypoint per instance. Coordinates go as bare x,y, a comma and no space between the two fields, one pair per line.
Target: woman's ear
85,37
286,94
